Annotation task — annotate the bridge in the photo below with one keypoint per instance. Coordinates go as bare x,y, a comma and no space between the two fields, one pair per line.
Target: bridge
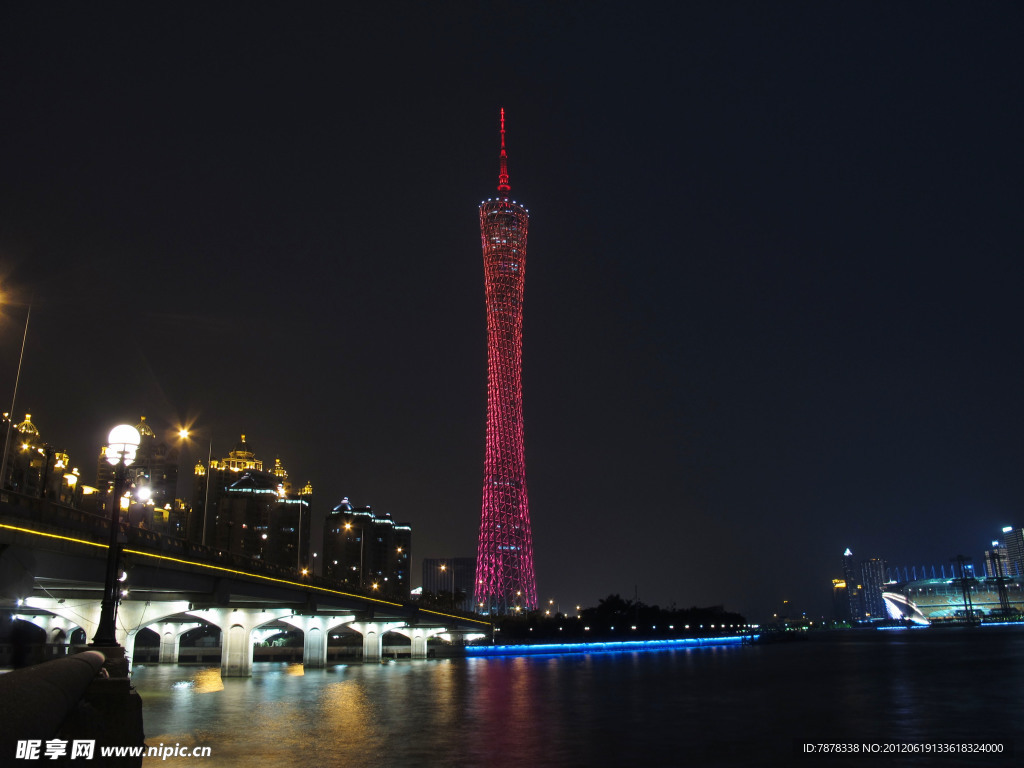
52,568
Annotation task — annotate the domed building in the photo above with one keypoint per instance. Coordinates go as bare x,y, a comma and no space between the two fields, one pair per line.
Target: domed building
240,508
35,468
26,458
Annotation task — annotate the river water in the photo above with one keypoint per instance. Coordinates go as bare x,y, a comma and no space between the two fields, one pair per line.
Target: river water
739,705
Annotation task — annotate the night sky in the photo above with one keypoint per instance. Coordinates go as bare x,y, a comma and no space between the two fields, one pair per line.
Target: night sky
772,292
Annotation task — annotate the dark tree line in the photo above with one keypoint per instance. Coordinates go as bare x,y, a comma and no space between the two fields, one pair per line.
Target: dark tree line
617,619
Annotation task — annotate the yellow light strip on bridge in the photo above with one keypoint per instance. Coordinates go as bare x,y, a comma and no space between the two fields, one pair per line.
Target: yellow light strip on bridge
229,570
53,536
453,616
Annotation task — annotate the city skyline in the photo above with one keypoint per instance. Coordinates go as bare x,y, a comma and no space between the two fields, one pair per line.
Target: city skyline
776,314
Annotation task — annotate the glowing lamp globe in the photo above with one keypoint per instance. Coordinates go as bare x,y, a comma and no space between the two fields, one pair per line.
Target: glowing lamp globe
122,442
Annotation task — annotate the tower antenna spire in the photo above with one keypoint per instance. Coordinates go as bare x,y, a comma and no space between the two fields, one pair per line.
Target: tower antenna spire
503,167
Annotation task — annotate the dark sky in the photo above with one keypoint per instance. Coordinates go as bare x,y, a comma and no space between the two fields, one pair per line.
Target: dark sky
773,286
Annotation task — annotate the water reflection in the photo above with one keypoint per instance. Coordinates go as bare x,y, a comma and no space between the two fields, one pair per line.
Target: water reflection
207,681
724,706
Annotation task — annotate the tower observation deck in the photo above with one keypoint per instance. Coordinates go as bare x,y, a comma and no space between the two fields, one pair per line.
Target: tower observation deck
505,579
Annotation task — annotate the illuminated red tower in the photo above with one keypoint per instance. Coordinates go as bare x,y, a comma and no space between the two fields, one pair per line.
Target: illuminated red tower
505,580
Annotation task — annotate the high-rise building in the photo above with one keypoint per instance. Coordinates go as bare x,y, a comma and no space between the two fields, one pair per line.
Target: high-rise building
210,484
257,517
854,587
1013,540
505,579
997,561
864,585
240,507
872,574
363,549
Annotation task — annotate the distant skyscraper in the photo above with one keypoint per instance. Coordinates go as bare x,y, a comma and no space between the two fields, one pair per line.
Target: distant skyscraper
997,562
864,587
505,579
1013,539
854,587
872,574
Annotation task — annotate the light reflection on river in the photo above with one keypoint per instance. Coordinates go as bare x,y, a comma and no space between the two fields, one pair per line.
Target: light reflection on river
710,706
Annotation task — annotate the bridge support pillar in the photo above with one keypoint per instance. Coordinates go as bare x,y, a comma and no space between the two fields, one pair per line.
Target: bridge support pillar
419,637
236,626
58,629
170,639
373,636
315,631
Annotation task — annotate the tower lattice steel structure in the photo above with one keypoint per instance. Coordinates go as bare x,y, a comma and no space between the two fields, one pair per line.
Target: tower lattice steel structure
505,579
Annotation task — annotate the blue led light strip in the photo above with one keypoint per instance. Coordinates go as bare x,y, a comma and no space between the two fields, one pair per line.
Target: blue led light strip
634,645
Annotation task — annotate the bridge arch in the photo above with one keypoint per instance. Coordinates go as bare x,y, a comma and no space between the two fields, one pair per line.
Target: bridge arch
132,616
236,626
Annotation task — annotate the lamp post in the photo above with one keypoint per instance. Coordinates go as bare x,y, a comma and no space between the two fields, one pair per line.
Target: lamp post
121,446
444,568
14,398
298,544
184,433
348,527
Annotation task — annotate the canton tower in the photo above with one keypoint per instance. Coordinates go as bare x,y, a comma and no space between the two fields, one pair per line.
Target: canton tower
505,580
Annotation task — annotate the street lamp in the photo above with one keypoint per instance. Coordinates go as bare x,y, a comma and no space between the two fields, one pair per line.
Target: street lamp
183,433
348,527
122,443
298,542
14,398
443,569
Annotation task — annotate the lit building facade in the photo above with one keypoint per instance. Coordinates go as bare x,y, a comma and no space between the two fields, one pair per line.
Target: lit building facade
210,483
997,561
35,468
1013,542
872,579
943,599
862,585
29,459
505,581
